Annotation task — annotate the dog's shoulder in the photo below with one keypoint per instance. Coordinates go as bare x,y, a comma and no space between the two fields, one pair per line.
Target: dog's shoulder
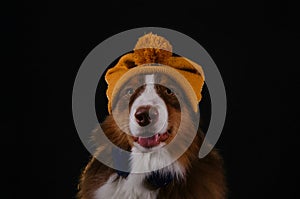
93,176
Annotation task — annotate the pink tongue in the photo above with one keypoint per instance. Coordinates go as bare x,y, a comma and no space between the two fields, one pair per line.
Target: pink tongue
149,141
152,141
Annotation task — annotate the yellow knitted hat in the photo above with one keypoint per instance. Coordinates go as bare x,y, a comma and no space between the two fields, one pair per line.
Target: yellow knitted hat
150,49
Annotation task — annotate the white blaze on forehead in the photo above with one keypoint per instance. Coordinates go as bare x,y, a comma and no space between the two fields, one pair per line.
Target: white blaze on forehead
149,97
150,91
149,80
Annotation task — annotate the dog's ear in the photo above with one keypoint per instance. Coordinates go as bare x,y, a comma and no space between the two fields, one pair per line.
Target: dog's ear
113,74
192,72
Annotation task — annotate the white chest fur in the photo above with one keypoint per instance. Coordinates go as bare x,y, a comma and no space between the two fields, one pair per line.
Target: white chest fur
132,187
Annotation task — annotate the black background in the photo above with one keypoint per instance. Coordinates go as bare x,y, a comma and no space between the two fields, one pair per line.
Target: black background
44,45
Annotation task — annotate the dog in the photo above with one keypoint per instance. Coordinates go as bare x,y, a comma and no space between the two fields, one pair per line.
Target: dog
145,121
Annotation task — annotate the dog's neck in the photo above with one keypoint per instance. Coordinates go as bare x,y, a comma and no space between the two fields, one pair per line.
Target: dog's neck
157,174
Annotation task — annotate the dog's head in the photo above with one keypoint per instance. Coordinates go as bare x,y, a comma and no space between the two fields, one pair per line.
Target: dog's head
153,98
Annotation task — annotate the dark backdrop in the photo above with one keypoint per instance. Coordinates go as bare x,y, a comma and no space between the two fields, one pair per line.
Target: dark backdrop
44,45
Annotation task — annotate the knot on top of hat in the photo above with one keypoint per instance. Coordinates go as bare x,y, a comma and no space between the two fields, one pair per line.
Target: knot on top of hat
150,49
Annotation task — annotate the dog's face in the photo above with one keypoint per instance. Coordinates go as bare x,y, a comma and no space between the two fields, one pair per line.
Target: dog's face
151,113
153,119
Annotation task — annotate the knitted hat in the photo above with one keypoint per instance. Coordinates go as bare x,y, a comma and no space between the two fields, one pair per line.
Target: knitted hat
153,49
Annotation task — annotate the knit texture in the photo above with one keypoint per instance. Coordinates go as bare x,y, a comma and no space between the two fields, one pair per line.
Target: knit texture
153,49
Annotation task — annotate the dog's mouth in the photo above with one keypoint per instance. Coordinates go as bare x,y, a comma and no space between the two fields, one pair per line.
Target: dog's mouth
155,140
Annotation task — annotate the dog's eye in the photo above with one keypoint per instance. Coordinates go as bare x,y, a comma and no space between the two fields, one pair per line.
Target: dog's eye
129,91
169,91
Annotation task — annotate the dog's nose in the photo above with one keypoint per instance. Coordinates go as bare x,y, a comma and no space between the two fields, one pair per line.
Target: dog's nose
144,115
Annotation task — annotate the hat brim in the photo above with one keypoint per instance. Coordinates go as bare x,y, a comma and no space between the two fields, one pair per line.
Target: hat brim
161,69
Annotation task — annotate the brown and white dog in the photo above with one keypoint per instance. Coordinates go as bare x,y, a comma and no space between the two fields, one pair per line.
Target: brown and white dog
159,108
